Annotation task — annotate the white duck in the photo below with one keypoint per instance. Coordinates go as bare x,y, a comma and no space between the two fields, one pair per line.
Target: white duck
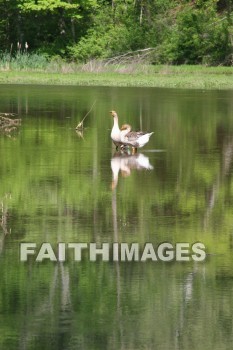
135,139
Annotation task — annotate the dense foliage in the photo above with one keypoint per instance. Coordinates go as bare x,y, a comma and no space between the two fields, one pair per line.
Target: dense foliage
180,31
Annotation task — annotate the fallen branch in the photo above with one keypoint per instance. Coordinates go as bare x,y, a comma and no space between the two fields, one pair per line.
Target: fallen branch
8,124
80,124
138,55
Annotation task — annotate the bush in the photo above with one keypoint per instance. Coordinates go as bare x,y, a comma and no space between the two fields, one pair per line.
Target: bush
198,35
99,44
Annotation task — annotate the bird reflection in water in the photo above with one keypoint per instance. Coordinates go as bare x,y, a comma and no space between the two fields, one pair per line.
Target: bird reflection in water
124,163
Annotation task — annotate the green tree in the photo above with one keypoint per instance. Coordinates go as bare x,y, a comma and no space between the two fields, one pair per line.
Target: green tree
10,23
182,31
198,35
57,22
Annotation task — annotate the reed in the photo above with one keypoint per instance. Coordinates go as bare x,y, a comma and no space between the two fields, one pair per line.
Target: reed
23,61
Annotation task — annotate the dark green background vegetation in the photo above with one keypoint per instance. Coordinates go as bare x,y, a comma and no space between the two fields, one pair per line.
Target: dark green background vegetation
180,32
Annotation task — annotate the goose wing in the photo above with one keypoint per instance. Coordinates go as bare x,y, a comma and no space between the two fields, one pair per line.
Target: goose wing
134,135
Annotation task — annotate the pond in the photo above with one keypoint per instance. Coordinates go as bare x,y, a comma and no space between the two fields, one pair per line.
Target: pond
58,185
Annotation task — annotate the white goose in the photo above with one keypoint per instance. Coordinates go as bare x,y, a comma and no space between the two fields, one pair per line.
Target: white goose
135,139
116,132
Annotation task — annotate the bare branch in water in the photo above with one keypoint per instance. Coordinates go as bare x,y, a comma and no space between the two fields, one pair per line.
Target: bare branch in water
80,124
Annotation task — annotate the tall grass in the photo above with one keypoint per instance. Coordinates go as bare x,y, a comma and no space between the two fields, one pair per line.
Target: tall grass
24,61
32,68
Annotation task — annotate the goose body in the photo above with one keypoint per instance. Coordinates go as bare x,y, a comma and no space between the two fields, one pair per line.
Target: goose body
135,139
116,132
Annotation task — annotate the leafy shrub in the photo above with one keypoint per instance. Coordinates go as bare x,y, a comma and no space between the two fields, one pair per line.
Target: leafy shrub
198,35
99,44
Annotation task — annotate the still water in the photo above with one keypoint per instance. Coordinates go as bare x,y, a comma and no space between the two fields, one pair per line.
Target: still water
58,185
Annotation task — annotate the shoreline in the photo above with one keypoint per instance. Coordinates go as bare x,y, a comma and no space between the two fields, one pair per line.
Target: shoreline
194,77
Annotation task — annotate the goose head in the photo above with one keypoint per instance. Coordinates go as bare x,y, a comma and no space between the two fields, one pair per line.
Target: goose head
113,114
126,128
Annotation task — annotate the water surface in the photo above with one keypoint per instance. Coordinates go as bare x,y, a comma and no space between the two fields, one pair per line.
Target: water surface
57,185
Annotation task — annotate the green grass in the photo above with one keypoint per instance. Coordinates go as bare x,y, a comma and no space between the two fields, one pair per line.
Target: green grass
198,77
33,68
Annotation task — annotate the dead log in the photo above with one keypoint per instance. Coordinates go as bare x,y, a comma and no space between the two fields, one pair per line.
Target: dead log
7,123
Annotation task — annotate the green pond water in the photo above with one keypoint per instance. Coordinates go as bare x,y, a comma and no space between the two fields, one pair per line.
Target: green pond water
58,185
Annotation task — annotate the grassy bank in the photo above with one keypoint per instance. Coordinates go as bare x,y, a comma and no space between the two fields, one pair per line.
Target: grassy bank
197,77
